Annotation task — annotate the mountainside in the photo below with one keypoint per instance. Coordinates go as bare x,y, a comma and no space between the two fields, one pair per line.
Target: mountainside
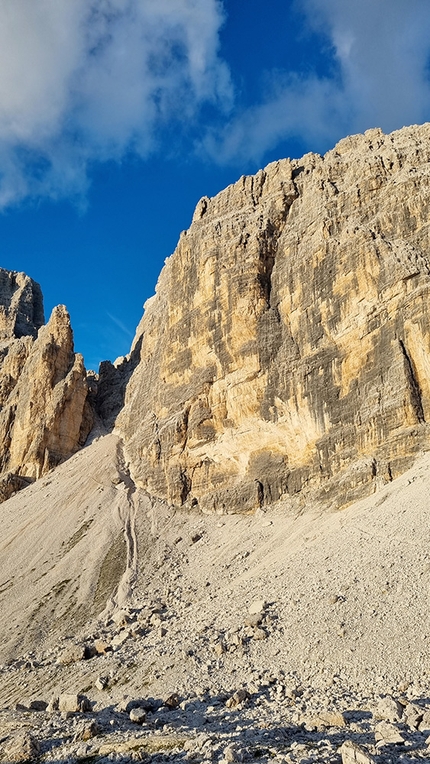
288,348
44,413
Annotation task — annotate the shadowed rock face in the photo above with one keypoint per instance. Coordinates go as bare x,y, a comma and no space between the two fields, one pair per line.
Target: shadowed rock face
288,346
44,414
21,305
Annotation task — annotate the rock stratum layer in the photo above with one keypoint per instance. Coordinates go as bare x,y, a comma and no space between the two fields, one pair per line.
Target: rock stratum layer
287,348
44,413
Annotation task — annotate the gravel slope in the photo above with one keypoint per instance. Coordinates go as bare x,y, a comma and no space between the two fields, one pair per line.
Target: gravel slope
332,604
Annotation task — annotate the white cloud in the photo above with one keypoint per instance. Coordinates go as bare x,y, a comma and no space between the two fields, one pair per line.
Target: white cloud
85,80
383,49
381,52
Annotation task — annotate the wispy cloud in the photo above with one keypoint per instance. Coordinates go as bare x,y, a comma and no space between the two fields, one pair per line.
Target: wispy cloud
87,80
380,77
83,81
120,325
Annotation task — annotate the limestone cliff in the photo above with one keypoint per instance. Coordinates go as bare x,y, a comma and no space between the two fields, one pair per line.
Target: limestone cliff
44,414
288,345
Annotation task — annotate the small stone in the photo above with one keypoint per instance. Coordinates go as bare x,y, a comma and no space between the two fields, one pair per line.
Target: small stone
424,725
137,715
38,705
102,682
220,648
121,618
120,638
352,754
127,704
413,715
290,691
101,646
81,751
231,754
388,734
403,686
236,640
72,654
240,696
88,730
172,701
53,705
22,747
388,710
257,607
259,634
326,719
68,703
254,620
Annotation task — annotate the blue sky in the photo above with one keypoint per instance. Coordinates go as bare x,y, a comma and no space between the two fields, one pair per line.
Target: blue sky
116,116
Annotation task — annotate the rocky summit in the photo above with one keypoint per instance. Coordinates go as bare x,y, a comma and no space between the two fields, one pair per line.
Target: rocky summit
220,552
44,413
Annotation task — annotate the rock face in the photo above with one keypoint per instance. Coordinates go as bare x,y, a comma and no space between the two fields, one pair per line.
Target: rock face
21,306
287,348
44,414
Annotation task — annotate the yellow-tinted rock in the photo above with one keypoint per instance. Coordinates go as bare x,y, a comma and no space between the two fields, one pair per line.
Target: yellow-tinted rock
44,414
288,345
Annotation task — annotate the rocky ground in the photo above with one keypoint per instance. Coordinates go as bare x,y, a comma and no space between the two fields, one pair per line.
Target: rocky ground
299,634
272,718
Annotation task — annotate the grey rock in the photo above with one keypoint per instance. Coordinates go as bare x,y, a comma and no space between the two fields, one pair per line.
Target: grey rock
232,753
72,654
23,747
172,701
102,682
424,725
353,754
137,715
38,705
413,715
257,607
88,730
240,696
388,709
69,703
388,734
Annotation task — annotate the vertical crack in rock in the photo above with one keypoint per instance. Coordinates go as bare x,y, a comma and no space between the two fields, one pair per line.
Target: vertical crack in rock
186,485
414,388
268,243
270,331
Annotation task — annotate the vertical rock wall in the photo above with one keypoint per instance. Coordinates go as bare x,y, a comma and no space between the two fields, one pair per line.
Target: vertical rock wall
288,345
44,413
